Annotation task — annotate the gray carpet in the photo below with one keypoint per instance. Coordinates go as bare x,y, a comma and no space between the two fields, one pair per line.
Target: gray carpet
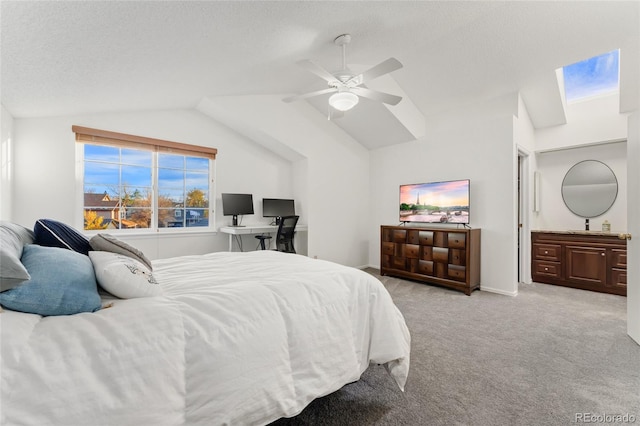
535,359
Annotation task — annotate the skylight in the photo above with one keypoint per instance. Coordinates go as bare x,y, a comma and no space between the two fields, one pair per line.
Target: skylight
592,77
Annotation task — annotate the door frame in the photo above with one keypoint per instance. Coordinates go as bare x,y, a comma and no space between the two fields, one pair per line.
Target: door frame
523,216
633,226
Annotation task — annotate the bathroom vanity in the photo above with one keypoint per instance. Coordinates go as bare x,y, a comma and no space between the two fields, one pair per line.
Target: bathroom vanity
588,260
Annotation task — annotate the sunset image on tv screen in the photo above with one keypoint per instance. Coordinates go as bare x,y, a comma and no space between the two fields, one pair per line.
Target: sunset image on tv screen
435,202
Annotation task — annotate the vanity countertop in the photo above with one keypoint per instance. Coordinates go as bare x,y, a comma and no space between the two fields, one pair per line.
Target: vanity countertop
581,232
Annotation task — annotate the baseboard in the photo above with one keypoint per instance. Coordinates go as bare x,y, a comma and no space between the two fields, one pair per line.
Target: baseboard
498,291
364,267
482,287
373,266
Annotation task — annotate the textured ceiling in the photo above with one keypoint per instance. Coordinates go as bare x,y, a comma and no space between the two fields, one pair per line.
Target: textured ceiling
62,58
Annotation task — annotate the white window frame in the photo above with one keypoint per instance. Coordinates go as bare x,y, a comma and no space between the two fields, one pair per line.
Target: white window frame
102,137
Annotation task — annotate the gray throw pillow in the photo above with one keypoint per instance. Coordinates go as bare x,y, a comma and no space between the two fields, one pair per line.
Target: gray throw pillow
107,242
13,238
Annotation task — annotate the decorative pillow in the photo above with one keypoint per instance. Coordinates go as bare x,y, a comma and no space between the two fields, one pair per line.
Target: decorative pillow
123,276
51,233
106,242
13,238
62,283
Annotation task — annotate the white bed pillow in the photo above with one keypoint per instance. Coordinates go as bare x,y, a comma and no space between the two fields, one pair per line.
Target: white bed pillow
123,276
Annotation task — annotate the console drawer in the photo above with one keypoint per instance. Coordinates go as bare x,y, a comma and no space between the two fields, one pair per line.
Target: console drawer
427,253
458,273
457,257
399,236
412,236
457,240
398,262
388,248
425,267
425,238
412,251
441,254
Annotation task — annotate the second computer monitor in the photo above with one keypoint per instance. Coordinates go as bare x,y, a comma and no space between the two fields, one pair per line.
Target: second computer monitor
277,207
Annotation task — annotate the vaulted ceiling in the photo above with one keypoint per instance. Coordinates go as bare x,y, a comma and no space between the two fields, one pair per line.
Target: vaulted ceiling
66,58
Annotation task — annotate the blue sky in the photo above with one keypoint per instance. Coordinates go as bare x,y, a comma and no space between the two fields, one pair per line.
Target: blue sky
591,77
107,167
442,194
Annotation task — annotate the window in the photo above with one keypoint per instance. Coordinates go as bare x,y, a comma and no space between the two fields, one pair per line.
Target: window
131,182
592,77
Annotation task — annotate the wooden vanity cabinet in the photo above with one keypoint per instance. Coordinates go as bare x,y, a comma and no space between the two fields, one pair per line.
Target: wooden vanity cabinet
446,256
590,261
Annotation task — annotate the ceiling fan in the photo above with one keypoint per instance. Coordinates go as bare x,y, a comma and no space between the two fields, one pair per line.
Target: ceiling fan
346,86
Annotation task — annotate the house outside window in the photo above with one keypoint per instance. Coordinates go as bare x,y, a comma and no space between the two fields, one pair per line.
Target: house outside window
153,185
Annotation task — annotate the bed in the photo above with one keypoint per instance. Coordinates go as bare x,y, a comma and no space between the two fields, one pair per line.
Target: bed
232,338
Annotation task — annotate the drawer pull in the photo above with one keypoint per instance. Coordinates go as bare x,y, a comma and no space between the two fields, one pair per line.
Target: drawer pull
546,252
601,254
546,269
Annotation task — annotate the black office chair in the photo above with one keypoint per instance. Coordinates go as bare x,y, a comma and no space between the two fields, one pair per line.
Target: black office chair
284,237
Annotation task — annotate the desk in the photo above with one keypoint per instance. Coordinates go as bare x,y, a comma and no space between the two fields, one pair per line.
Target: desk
254,230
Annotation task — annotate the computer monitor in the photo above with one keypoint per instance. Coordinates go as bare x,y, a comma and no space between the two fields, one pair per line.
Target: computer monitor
277,207
237,204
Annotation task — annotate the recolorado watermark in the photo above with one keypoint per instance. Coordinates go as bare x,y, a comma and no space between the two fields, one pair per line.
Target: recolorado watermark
605,418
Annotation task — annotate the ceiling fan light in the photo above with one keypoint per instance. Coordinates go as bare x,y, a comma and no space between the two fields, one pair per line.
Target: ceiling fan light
343,101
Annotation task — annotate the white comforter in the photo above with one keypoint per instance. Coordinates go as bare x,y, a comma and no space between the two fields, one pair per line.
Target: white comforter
237,338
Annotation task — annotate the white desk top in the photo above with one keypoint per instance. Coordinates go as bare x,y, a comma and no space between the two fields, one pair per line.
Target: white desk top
255,229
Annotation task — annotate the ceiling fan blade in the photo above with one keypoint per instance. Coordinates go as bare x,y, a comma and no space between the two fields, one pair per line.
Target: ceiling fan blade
317,70
310,94
382,68
377,96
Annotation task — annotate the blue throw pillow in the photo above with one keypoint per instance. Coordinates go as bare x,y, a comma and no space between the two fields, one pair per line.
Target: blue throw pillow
52,233
62,283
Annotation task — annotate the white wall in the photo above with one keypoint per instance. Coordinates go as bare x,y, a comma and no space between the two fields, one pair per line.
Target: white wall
332,173
552,167
6,163
475,144
590,121
45,181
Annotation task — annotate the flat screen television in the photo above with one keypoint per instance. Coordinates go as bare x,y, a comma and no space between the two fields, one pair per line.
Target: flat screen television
435,202
278,207
237,204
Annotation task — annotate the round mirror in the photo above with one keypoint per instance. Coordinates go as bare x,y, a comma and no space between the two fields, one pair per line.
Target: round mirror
589,188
